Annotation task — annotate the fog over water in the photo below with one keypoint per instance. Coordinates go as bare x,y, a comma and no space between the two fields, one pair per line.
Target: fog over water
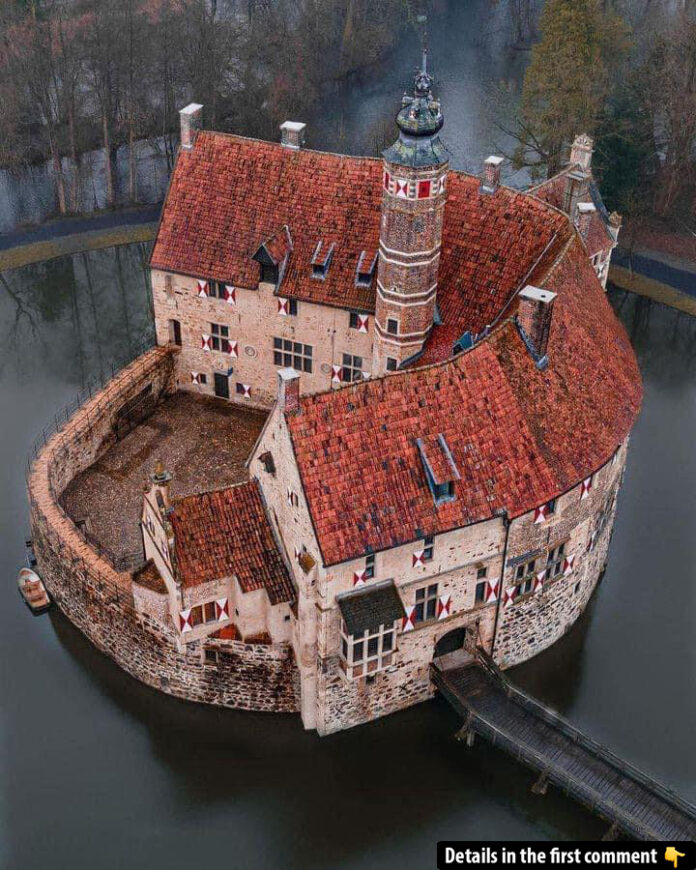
99,771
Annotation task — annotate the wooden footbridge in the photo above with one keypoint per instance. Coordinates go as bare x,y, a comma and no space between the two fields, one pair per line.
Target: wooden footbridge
492,707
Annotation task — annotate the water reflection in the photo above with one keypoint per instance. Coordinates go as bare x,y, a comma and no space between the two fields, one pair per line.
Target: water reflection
133,777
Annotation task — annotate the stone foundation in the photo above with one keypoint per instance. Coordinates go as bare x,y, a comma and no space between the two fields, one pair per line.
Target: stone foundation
98,599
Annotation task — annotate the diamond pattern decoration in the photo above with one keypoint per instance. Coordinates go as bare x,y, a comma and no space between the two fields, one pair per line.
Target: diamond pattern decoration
185,620
233,349
230,294
444,606
195,378
359,578
417,558
540,513
363,320
568,564
539,580
492,590
585,487
222,609
336,374
283,306
203,289
510,595
246,391
408,622
205,342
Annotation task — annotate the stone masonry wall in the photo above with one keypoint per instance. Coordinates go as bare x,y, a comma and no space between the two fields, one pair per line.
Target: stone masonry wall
99,600
532,622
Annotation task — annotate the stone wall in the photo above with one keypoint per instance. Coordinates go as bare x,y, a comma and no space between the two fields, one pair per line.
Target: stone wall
253,321
98,599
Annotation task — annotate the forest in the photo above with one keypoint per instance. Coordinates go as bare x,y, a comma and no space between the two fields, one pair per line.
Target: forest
86,74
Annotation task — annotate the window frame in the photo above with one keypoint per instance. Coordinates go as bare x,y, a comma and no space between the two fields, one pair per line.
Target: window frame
351,371
392,364
395,330
286,354
428,548
220,337
425,609
364,655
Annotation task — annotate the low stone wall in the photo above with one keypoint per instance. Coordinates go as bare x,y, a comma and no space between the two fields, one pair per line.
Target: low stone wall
99,600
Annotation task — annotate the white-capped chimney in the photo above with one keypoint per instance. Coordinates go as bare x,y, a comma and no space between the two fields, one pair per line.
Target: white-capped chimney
534,316
583,218
289,390
491,174
191,118
292,134
581,152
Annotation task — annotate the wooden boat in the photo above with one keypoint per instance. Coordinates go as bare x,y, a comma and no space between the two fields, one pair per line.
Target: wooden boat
33,591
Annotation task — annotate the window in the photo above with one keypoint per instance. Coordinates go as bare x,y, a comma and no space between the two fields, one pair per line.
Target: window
175,332
269,273
210,656
391,364
202,378
426,603
370,566
577,588
219,336
551,506
352,368
209,614
364,654
216,289
392,326
321,260
443,491
240,389
291,307
481,573
288,353
554,561
428,548
480,595
525,576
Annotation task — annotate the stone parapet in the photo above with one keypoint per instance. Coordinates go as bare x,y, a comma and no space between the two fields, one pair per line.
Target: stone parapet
98,599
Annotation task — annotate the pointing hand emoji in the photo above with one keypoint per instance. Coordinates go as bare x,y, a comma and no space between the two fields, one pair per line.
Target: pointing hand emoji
672,855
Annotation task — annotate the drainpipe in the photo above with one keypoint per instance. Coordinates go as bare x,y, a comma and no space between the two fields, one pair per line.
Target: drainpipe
507,524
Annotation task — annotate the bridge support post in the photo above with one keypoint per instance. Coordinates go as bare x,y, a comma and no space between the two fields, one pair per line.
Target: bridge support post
612,834
465,735
541,785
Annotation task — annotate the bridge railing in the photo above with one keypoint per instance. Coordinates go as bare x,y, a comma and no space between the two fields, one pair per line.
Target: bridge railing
599,750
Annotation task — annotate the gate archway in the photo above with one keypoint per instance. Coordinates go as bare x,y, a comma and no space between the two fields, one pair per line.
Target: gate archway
451,642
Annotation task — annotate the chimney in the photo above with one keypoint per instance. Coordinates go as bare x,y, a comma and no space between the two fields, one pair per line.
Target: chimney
292,134
491,174
289,390
161,479
191,118
534,316
581,152
583,219
615,222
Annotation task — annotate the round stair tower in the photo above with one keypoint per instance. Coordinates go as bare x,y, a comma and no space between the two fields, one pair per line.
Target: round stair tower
413,202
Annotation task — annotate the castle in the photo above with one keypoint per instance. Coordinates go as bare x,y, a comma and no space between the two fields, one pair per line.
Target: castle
449,398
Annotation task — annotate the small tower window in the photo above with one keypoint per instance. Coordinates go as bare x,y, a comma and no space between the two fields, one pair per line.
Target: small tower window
441,471
321,260
392,326
391,364
424,189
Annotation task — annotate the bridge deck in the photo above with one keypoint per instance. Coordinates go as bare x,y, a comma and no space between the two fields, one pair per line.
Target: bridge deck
546,742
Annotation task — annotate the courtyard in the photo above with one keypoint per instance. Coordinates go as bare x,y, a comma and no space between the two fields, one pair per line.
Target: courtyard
203,442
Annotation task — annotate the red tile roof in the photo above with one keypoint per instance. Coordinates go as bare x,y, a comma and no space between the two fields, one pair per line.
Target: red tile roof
228,195
224,533
518,435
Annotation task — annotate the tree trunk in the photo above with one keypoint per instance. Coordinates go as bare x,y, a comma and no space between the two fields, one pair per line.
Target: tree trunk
57,172
108,168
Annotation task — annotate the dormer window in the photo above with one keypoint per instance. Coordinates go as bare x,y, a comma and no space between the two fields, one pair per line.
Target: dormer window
321,260
269,273
441,471
365,271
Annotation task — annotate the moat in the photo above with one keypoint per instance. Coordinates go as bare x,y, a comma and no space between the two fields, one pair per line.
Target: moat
95,754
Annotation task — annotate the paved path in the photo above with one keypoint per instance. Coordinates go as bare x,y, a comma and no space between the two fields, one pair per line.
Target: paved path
658,276
64,236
